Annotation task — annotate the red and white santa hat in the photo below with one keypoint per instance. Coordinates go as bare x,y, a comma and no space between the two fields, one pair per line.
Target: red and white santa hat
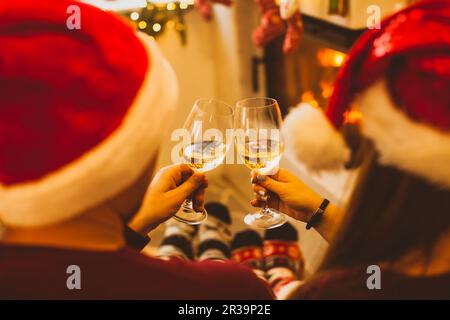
399,79
82,112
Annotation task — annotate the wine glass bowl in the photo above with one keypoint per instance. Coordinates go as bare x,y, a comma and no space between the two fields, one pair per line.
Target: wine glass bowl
206,147
260,145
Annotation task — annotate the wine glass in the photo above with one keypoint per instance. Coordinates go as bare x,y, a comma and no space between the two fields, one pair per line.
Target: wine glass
260,145
206,147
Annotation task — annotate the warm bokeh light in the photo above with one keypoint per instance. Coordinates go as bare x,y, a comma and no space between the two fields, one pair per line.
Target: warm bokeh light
330,58
156,27
353,116
171,6
134,16
308,97
142,25
327,89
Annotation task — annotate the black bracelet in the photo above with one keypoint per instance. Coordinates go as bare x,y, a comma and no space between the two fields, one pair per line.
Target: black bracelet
317,216
134,240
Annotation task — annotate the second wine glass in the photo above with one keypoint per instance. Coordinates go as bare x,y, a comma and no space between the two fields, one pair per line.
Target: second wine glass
260,144
206,146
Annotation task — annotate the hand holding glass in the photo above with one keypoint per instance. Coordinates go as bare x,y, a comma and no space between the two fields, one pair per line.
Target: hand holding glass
261,146
207,124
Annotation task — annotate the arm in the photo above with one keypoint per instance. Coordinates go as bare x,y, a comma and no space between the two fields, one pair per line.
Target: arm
287,193
329,223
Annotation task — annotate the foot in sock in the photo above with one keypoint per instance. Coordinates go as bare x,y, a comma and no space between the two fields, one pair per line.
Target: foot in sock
283,259
247,249
177,241
214,234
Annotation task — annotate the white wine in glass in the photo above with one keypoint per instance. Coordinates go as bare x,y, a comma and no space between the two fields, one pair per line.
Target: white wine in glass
204,156
261,147
262,156
207,124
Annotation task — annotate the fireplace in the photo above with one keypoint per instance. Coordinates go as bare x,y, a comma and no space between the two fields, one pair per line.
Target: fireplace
308,74
330,29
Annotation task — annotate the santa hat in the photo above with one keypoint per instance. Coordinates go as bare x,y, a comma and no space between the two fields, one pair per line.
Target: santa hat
81,111
398,78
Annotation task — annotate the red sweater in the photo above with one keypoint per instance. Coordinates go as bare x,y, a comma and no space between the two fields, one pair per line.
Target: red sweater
40,273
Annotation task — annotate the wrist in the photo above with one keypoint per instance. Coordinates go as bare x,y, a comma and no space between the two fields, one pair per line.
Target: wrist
142,224
316,217
329,223
315,202
134,239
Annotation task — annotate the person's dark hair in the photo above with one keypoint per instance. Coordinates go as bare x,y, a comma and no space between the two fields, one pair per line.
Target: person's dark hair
390,214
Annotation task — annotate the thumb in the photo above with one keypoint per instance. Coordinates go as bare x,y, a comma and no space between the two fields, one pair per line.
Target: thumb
189,186
270,184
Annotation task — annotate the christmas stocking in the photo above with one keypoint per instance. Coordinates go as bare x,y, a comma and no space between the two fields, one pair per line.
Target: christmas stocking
214,234
290,11
271,25
247,249
294,34
283,260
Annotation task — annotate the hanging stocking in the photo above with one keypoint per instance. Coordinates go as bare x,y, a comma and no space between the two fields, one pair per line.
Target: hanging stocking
294,34
290,11
271,25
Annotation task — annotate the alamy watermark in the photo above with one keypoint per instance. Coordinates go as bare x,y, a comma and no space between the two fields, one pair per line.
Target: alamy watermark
374,280
73,281
374,19
73,22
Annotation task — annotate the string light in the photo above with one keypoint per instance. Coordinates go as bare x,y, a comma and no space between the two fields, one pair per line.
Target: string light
171,6
160,15
151,16
156,27
142,25
134,16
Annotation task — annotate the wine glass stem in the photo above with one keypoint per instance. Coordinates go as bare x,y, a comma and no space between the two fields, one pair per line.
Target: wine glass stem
188,203
266,206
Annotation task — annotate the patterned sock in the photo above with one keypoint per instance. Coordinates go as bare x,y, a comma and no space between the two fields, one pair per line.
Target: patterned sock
177,240
247,249
283,258
214,234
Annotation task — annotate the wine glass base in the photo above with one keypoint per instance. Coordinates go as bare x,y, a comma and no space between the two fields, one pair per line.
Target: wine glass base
190,216
265,219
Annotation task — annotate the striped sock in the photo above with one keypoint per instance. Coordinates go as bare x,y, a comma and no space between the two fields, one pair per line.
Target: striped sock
214,234
177,241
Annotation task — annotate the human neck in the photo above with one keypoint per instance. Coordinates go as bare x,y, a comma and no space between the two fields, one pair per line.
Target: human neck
99,229
416,264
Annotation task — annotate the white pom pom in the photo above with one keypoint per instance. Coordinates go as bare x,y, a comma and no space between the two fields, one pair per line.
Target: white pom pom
288,8
312,140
